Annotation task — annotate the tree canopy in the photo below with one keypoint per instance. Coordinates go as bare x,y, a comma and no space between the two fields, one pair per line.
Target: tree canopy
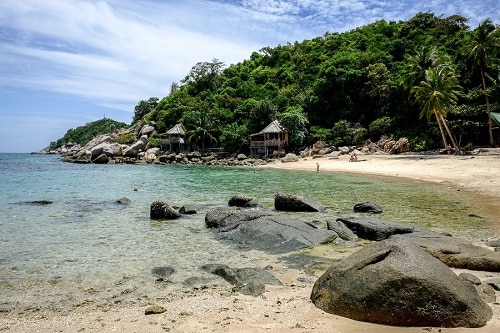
342,87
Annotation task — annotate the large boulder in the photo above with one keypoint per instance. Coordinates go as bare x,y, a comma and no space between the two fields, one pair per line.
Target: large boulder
161,210
268,232
296,203
146,130
101,159
290,158
113,149
395,282
137,147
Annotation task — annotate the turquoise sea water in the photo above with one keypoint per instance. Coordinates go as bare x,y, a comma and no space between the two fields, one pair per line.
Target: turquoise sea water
85,248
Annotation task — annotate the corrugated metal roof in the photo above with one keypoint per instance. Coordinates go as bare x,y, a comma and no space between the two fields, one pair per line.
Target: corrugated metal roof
177,129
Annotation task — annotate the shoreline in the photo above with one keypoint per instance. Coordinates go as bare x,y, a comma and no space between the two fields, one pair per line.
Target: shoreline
286,308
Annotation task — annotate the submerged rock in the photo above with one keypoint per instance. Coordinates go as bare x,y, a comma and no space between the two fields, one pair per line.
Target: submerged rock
162,210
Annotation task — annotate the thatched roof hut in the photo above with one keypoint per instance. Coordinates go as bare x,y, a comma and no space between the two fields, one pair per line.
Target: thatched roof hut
273,138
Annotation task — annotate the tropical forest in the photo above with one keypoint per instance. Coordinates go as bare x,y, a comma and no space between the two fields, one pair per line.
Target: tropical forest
431,79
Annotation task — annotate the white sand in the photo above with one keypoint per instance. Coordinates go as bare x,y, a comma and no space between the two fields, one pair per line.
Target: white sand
286,308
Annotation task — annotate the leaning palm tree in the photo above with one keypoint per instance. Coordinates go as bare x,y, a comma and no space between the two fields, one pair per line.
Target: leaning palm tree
485,45
438,94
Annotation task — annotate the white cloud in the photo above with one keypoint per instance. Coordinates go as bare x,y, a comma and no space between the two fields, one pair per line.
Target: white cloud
113,53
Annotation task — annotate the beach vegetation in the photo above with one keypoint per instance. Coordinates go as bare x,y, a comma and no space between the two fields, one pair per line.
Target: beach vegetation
485,45
438,95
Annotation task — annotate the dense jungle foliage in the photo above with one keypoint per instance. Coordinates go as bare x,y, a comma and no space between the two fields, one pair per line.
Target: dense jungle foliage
412,78
83,134
431,79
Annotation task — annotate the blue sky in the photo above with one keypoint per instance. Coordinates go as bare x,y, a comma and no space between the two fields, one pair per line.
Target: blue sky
64,63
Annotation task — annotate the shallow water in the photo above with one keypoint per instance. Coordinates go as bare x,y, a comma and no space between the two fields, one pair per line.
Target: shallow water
85,248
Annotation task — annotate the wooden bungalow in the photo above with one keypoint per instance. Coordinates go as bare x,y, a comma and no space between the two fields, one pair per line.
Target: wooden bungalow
272,138
173,140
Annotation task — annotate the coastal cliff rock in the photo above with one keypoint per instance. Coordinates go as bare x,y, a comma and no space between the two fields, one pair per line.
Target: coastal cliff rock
137,147
395,282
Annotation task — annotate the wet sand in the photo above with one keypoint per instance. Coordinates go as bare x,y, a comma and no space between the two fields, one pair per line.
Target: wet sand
285,308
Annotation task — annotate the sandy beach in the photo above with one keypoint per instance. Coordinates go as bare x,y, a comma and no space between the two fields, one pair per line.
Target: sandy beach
287,308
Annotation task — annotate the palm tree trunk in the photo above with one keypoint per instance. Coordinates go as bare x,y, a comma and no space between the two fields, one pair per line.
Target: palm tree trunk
449,134
443,136
490,125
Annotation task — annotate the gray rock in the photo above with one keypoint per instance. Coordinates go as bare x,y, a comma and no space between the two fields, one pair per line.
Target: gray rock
138,146
395,282
230,217
272,233
374,229
469,277
97,150
161,210
252,288
493,242
340,228
367,207
494,282
162,272
250,281
289,158
241,157
189,209
147,130
241,200
295,203
154,309
101,159
112,150
38,202
123,201
456,252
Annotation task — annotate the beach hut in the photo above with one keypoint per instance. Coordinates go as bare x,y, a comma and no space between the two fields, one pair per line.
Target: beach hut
173,139
273,138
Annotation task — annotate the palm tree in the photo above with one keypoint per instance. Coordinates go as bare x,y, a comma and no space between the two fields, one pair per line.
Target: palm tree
485,44
417,64
438,94
200,127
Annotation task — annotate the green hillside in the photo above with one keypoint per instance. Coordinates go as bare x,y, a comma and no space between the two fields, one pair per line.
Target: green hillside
391,79
83,134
